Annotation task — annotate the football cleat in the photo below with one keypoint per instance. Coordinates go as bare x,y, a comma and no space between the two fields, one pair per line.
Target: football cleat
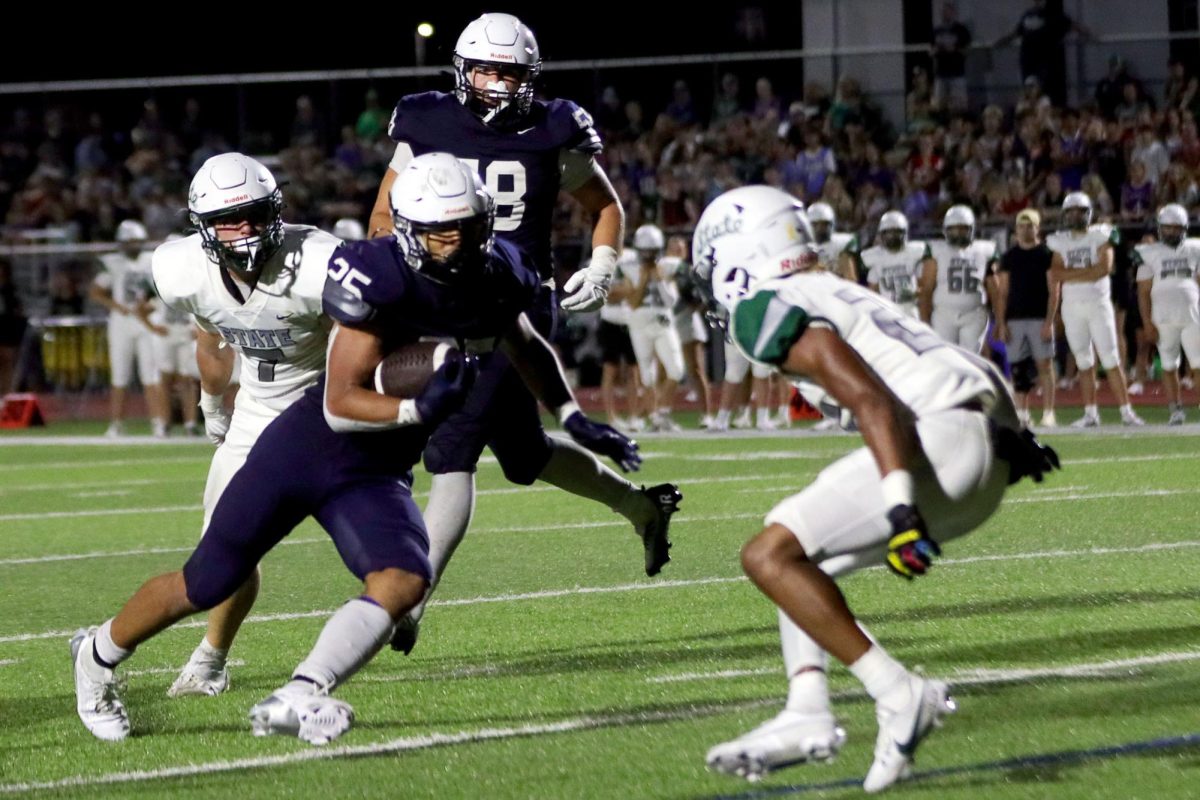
314,718
666,498
1178,417
743,421
404,637
662,423
901,731
1049,420
115,430
200,679
1136,388
1130,418
1087,421
790,738
98,702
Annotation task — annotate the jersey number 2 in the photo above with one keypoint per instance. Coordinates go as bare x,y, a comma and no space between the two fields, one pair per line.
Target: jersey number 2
513,198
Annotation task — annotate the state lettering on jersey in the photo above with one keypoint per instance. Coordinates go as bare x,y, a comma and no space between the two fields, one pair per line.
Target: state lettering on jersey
1176,268
898,282
1079,257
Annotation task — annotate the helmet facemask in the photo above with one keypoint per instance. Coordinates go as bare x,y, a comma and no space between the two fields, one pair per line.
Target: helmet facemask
495,103
245,256
893,239
470,237
1077,218
822,230
959,235
1171,235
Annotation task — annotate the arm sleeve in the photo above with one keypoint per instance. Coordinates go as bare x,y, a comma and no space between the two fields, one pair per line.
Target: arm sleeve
765,326
401,157
575,169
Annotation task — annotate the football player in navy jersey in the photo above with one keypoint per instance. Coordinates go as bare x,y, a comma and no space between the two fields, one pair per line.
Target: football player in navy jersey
526,151
343,453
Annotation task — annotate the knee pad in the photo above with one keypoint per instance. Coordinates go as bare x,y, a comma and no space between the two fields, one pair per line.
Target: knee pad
1024,375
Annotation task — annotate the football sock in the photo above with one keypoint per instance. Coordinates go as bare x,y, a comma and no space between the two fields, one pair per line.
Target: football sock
1091,411
207,654
447,518
579,472
723,417
762,416
105,653
805,662
883,676
785,413
351,638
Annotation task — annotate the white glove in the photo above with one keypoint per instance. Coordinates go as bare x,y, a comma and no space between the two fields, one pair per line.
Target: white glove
587,289
216,418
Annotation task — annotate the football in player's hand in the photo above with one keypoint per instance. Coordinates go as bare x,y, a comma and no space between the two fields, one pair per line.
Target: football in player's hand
405,371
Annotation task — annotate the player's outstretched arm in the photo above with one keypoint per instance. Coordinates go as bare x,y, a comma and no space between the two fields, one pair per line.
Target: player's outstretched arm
925,285
587,289
888,429
214,361
380,223
537,364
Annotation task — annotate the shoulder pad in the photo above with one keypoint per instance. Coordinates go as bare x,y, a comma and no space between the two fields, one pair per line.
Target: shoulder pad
359,280
572,127
173,268
409,106
765,326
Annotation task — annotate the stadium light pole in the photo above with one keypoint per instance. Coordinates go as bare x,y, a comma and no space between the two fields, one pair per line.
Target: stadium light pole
423,32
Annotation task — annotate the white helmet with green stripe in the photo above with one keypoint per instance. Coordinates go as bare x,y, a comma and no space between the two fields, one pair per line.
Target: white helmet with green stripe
750,234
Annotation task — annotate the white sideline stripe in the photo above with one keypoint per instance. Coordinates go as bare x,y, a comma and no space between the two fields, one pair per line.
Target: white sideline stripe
8,662
117,462
58,487
632,587
105,493
570,725
974,676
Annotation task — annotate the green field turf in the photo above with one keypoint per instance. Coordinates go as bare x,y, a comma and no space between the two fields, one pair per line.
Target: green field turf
551,667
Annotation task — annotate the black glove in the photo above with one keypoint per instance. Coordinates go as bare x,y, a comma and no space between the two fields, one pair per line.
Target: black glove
605,440
1026,456
910,550
447,388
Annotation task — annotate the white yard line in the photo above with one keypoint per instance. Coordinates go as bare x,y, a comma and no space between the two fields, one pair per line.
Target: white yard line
8,662
569,725
671,584
116,462
172,670
104,493
61,485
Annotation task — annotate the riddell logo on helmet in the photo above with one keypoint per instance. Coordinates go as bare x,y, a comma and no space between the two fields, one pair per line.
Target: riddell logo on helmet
798,264
241,198
503,57
458,210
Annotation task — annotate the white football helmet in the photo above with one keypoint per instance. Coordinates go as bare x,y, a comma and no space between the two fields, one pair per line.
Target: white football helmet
504,42
233,188
131,230
750,234
1077,211
958,226
349,230
440,197
649,238
893,230
822,219
1175,216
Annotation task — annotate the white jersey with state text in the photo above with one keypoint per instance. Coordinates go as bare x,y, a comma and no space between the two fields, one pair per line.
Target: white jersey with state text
962,274
895,272
1080,251
279,331
1174,292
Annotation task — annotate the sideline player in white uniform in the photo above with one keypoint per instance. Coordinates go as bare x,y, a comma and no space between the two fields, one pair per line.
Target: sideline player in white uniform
895,264
618,361
942,443
954,281
652,326
691,325
123,286
175,355
1082,264
253,284
837,251
1169,298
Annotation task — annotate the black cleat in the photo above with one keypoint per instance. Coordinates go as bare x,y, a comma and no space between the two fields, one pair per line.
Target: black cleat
404,637
666,498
